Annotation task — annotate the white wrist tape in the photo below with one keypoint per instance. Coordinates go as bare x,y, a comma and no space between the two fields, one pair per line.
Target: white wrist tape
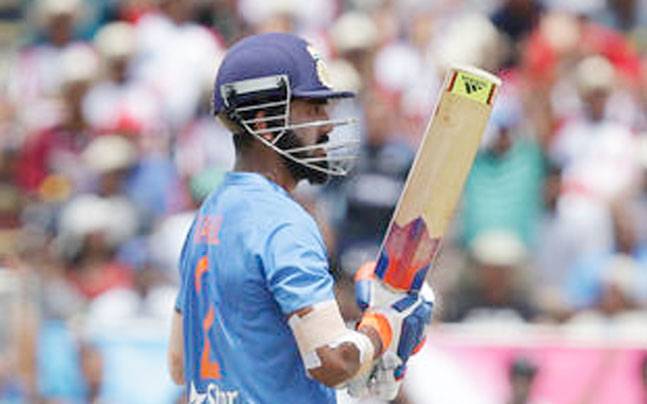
361,341
324,326
364,346
320,327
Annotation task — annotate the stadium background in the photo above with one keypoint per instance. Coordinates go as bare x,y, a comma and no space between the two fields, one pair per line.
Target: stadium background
107,147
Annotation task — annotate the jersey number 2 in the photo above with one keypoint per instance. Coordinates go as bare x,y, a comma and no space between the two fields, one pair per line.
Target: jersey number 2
209,369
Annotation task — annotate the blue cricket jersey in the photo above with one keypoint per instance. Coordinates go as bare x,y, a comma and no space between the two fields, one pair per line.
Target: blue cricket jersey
252,256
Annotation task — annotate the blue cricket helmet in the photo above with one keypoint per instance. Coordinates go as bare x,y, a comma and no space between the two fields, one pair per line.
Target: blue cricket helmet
265,73
275,54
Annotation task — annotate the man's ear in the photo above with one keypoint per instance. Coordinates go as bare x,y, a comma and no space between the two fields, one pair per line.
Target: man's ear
262,125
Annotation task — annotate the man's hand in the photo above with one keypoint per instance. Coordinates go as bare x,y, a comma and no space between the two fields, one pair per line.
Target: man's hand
401,320
380,382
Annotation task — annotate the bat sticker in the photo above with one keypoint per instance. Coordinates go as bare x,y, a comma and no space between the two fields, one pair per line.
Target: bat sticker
406,256
472,86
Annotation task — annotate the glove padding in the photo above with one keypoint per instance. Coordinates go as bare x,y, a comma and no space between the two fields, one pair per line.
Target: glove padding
401,320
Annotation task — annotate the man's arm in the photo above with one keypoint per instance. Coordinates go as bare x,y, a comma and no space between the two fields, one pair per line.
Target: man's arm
175,354
332,353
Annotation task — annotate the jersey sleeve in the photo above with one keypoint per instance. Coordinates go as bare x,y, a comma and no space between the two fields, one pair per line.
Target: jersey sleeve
296,267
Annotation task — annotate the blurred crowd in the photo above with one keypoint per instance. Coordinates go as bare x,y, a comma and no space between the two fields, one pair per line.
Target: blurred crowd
107,147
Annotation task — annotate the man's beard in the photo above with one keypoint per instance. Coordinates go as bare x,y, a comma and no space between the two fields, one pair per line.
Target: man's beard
299,171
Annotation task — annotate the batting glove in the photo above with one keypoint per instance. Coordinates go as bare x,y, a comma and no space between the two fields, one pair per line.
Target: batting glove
401,321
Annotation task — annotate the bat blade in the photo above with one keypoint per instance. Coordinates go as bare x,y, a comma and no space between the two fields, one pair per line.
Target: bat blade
436,178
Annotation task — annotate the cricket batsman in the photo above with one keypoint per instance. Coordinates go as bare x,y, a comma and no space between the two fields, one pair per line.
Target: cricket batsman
255,319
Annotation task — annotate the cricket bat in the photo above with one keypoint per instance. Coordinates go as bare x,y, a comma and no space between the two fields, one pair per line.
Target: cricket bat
436,178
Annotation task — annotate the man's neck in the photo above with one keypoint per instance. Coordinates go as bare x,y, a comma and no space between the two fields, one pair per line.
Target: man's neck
269,166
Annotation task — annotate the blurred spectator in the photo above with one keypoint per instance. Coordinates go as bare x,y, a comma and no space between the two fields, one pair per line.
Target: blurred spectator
641,100
92,369
503,191
144,301
10,10
470,39
287,15
398,64
223,17
54,153
618,292
275,16
495,286
563,38
554,252
12,389
598,157
11,203
176,58
614,309
521,374
93,226
354,38
517,18
155,188
423,81
203,143
615,280
406,67
637,203
35,76
118,102
623,15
